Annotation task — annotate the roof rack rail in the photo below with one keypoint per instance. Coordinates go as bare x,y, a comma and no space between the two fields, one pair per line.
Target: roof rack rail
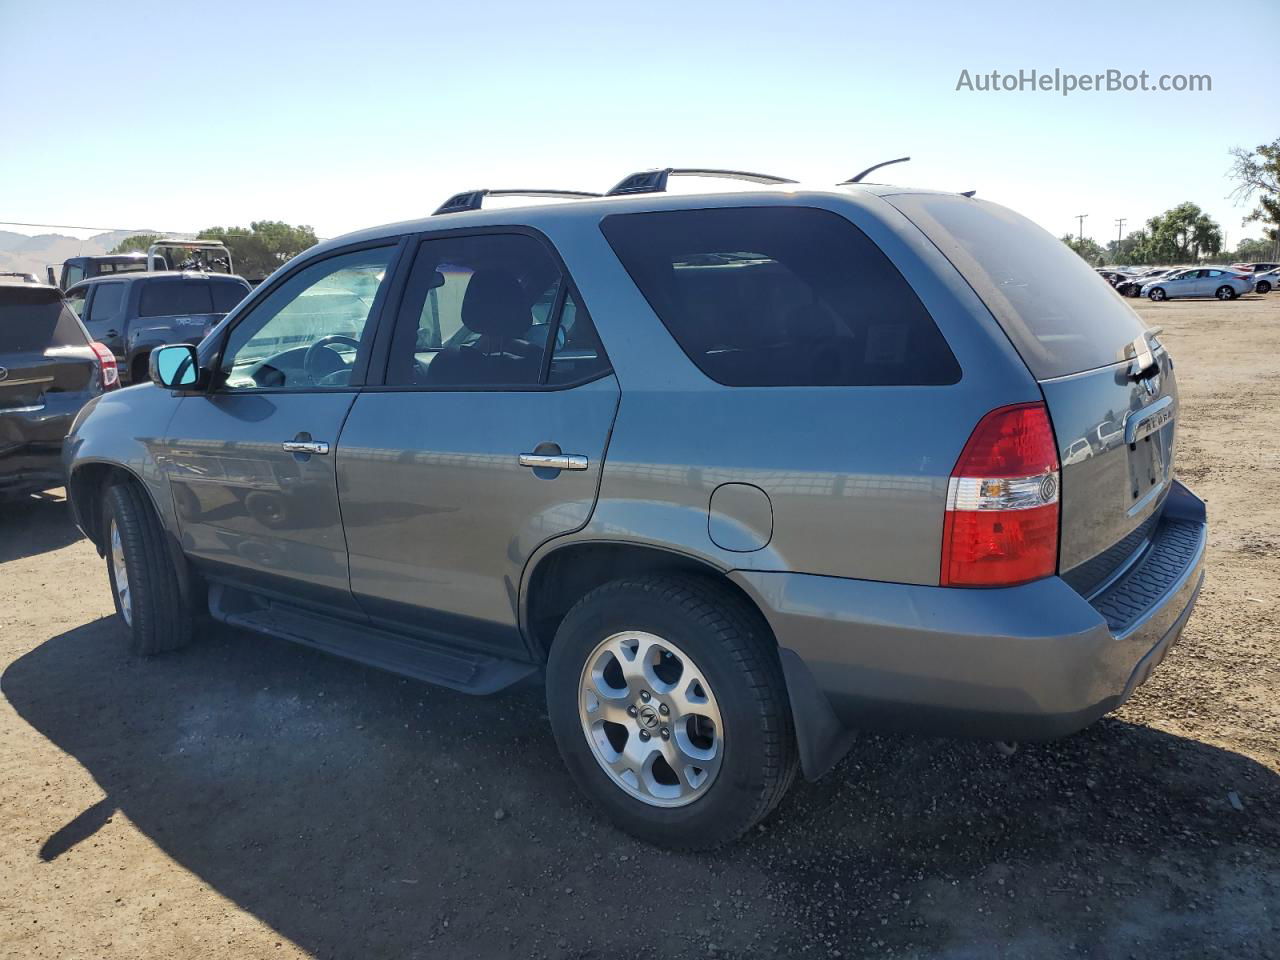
473,199
655,181
858,177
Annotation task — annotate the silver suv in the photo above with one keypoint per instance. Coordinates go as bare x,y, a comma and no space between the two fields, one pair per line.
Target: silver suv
739,473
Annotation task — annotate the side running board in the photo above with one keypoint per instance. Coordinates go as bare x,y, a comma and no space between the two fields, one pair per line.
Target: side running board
462,670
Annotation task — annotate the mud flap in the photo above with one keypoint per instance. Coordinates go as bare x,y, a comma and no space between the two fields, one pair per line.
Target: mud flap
820,737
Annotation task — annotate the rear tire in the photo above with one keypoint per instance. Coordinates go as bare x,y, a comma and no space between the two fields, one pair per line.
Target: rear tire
1225,292
706,660
1263,286
144,584
1157,294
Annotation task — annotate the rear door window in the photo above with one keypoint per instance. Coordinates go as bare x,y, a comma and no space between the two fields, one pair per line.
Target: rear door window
1044,296
781,296
174,298
491,310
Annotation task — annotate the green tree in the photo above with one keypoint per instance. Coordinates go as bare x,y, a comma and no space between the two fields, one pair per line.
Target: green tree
1257,174
1132,249
1182,234
1259,249
1087,248
263,246
137,243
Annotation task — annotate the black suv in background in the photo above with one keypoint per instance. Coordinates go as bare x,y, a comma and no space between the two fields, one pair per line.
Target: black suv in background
49,369
135,313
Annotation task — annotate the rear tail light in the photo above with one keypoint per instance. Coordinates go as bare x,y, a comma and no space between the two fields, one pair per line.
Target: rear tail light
108,372
1001,525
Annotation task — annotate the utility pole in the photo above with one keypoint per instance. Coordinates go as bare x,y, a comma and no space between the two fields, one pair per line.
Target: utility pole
1080,217
1119,230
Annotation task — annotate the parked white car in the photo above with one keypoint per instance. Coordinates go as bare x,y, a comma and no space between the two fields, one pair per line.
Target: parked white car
1199,282
1266,282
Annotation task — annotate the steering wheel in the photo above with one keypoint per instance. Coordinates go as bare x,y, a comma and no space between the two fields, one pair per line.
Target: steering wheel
311,359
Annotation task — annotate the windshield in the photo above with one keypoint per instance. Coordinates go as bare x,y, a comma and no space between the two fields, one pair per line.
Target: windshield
1044,296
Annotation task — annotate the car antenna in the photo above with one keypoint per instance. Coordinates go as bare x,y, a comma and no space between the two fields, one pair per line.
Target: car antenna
858,177
968,193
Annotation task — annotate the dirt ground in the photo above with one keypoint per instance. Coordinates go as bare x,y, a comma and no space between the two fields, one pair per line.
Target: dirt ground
249,798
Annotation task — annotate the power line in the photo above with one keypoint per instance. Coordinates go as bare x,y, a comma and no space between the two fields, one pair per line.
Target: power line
72,226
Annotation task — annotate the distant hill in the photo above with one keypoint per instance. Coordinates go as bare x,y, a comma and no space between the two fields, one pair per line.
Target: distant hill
24,254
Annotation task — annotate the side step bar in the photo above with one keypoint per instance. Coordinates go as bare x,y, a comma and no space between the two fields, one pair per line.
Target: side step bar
462,670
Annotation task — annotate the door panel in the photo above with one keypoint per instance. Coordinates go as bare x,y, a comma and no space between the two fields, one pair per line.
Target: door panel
440,516
253,509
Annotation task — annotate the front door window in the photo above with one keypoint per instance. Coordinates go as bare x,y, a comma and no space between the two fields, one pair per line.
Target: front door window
312,330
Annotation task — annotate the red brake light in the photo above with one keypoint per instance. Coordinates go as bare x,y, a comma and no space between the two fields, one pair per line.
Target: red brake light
1001,525
107,369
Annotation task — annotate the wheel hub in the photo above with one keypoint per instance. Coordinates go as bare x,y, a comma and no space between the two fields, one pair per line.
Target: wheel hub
648,717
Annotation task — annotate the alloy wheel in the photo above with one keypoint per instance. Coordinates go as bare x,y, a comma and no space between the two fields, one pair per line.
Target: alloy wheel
120,575
651,719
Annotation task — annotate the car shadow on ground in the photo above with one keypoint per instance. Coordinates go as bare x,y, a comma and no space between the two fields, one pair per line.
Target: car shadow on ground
35,524
360,814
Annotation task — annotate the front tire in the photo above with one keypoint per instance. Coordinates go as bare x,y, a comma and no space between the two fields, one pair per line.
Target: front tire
144,584
1157,294
1225,292
1263,286
669,708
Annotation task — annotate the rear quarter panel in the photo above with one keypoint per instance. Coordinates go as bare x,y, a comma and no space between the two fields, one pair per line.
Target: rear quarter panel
856,476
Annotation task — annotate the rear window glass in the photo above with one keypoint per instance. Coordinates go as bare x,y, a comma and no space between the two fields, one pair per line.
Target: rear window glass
780,296
130,266
1049,302
35,320
226,295
174,298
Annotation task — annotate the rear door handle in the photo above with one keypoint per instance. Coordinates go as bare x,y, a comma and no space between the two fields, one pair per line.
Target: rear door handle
554,461
305,446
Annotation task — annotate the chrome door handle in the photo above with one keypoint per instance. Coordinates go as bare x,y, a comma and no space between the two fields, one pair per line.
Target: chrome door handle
554,461
305,446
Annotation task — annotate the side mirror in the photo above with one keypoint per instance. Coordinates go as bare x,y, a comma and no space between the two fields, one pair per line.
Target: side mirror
175,367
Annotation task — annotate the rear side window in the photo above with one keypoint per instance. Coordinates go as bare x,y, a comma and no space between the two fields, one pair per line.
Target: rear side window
32,321
781,296
226,296
1046,299
174,298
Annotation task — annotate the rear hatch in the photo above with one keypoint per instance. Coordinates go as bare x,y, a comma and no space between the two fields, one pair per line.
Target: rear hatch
1108,384
44,353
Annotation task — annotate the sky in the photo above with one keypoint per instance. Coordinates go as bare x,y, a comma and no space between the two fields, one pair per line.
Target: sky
345,115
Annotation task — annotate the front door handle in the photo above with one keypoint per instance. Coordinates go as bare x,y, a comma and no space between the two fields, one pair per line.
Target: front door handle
305,446
554,461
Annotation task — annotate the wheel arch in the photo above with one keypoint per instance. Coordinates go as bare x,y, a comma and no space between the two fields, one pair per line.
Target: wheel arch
557,579
85,488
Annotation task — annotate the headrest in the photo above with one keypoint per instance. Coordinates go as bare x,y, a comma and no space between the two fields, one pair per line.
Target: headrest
494,305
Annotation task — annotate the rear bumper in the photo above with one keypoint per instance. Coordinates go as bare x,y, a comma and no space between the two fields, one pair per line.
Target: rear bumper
1020,663
31,442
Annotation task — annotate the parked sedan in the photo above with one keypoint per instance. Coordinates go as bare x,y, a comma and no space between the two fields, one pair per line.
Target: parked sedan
1133,286
1201,282
1266,282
